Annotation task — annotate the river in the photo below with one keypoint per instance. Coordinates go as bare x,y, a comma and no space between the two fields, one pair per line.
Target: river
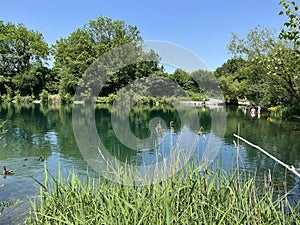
35,130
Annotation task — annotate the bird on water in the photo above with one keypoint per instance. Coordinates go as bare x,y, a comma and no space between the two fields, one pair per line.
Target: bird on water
7,172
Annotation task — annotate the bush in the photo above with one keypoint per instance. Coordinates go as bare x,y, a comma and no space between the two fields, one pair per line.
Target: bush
54,99
281,112
44,96
6,98
67,98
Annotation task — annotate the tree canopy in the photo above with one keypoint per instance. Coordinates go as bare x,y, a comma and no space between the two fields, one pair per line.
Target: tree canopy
22,59
74,54
265,67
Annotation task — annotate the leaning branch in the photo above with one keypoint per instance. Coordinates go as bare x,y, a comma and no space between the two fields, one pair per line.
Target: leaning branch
298,117
290,168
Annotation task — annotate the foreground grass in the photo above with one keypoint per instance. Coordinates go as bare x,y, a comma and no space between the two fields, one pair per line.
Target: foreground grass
197,198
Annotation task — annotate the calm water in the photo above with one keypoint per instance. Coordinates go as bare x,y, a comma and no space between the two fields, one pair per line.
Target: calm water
36,130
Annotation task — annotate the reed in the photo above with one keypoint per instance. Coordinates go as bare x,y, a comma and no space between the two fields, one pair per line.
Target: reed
192,197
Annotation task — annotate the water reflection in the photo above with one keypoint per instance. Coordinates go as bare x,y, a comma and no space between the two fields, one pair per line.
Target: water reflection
38,130
109,137
276,137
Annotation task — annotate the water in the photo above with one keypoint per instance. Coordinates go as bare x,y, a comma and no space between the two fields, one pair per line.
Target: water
36,130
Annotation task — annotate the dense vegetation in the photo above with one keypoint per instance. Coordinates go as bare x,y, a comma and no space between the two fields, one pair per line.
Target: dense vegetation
192,197
264,68
24,70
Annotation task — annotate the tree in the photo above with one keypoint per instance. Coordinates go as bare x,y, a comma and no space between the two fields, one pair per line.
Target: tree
272,66
233,80
291,66
20,51
183,79
291,27
72,57
205,83
33,81
74,54
283,61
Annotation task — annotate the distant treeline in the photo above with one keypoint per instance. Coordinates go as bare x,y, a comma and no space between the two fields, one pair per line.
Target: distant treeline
24,62
264,68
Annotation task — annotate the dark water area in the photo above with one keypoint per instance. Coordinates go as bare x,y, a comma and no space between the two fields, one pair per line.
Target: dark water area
35,130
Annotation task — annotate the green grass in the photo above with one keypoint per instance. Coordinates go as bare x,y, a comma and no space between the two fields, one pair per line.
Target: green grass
194,198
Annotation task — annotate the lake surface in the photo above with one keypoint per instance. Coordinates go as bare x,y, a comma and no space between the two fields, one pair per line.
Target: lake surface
36,130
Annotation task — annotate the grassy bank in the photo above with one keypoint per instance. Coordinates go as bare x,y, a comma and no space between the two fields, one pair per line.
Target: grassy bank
198,198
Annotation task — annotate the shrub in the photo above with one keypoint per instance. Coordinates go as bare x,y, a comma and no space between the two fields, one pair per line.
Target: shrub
44,96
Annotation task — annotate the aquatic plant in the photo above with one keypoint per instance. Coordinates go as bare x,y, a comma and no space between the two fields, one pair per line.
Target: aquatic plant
195,196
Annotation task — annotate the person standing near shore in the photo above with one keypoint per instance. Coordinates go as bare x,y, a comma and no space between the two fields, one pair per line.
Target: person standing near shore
253,112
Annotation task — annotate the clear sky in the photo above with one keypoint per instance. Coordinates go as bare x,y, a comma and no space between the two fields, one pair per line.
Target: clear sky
203,26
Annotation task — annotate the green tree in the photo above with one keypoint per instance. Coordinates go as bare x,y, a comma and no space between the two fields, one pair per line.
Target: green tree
72,57
283,61
205,83
74,54
290,31
21,52
183,79
272,69
33,81
234,79
245,75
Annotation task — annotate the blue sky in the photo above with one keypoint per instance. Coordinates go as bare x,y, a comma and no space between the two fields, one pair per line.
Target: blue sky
203,26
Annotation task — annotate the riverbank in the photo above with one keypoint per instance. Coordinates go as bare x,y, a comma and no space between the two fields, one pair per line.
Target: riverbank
279,111
210,102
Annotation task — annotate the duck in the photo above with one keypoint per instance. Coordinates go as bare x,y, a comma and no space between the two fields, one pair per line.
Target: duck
200,132
41,159
7,172
172,126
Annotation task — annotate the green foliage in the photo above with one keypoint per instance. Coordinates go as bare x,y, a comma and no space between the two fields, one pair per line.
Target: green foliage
66,98
270,72
22,53
282,72
267,73
291,27
54,99
194,96
234,78
32,81
279,112
44,95
192,197
183,79
74,54
264,69
106,100
198,85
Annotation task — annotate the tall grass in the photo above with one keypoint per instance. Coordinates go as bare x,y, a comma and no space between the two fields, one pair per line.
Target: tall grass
191,197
